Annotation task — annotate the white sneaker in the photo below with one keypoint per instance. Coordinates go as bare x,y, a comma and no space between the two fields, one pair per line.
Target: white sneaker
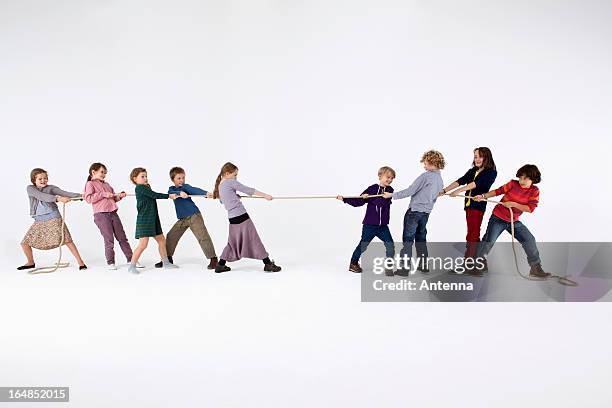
111,267
139,265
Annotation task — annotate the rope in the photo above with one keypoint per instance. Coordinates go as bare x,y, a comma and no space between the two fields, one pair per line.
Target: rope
564,280
282,197
59,264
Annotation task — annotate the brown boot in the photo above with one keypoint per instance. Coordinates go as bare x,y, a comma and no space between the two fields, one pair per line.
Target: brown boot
213,263
354,267
537,272
272,267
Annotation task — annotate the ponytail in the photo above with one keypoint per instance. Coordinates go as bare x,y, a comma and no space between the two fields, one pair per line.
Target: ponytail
226,168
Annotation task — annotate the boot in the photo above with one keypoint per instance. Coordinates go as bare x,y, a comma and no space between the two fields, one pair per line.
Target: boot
272,267
222,268
354,267
537,272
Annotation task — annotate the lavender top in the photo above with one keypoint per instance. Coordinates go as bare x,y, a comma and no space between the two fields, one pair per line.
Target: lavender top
228,195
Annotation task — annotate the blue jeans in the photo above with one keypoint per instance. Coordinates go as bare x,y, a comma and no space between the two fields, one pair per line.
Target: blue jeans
415,229
368,233
497,226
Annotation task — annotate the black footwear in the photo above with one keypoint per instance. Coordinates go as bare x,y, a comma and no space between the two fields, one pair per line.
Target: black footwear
24,267
389,272
222,268
423,269
354,267
213,263
474,272
271,267
160,264
82,267
537,272
402,272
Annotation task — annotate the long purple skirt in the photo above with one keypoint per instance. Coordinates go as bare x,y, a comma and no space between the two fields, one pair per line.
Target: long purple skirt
243,242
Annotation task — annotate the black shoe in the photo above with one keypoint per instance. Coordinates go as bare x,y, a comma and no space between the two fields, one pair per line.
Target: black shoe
82,267
272,267
160,264
389,272
222,268
423,269
24,267
537,272
355,268
402,272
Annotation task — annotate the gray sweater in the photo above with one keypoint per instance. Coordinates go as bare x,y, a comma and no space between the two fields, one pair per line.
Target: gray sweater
229,197
424,191
47,194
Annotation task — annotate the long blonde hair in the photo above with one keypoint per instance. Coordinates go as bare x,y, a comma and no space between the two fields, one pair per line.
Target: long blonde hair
226,168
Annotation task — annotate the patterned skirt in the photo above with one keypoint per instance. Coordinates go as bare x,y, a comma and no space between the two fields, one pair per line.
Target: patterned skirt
47,234
243,242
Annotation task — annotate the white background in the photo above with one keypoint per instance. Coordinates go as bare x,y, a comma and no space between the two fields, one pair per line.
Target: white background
307,98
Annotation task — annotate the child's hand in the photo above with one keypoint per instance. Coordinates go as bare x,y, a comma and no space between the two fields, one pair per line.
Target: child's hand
172,196
268,197
63,199
387,195
209,195
108,194
122,194
365,196
479,198
441,193
184,194
340,198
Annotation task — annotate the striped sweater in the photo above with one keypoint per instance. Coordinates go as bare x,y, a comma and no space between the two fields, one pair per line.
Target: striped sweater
513,191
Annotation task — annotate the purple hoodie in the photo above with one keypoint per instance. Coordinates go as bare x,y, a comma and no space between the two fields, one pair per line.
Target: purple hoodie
378,210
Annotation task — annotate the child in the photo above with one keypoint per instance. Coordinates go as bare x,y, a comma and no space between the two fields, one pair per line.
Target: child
477,180
147,220
376,220
102,197
243,240
46,232
522,196
189,216
424,193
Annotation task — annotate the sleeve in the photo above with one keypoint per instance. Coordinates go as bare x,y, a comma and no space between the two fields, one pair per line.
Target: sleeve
193,190
40,196
90,195
238,186
58,191
503,189
414,188
485,180
147,192
357,202
534,200
465,179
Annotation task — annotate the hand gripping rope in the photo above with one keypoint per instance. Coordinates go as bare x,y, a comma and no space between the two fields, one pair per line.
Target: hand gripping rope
564,280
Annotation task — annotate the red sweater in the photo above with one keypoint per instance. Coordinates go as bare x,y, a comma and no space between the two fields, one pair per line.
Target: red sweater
513,191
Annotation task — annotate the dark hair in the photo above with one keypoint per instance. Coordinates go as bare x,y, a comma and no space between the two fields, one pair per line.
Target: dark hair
95,167
35,172
487,158
530,171
226,168
174,171
135,172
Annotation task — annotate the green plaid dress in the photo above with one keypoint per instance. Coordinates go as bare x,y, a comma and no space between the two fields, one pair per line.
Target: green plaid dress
147,220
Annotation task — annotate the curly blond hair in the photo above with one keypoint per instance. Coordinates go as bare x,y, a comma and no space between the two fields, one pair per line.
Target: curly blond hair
435,158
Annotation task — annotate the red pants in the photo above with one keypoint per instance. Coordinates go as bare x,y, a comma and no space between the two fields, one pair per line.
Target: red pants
474,222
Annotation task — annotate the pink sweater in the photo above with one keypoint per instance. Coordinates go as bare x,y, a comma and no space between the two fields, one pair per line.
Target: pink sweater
95,191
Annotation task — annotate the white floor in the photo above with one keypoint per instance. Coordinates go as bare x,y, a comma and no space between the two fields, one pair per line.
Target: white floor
302,337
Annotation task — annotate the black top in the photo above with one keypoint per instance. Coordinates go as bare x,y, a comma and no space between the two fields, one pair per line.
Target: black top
484,180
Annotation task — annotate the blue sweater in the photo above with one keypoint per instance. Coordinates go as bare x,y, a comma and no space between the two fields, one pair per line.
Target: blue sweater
185,207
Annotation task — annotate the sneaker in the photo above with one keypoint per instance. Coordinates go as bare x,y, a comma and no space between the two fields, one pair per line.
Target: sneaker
82,267
389,272
222,268
272,267
111,267
139,265
24,267
402,272
170,266
537,272
355,268
132,269
160,264
423,269
213,263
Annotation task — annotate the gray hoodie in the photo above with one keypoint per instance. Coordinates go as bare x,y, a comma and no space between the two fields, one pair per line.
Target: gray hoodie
424,191
47,194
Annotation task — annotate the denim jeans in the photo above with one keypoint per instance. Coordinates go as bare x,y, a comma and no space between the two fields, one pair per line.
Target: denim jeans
497,226
415,229
368,233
